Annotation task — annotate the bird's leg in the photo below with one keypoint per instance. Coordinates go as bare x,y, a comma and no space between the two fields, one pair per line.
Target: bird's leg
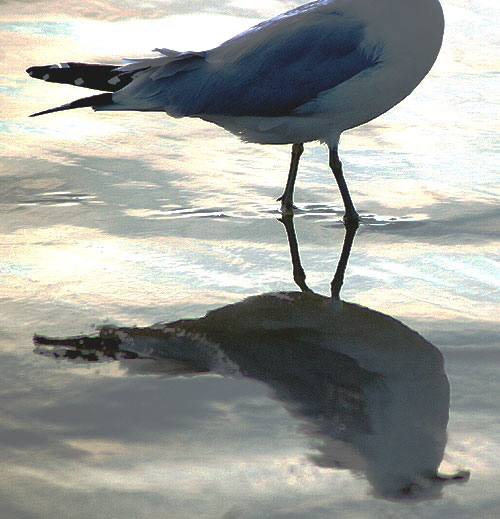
351,217
287,196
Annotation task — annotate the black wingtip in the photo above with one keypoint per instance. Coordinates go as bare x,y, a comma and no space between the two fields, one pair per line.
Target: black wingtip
93,101
41,72
96,76
52,110
32,71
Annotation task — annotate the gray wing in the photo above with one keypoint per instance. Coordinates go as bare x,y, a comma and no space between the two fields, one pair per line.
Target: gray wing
268,70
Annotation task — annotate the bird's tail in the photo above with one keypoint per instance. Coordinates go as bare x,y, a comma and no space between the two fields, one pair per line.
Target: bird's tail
108,78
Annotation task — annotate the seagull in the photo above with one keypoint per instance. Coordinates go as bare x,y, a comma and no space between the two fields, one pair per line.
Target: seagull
306,75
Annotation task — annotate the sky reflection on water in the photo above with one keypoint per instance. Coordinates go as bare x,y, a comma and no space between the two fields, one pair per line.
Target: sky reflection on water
135,218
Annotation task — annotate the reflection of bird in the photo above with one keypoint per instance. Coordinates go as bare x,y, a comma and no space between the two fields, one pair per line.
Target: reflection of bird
306,75
371,393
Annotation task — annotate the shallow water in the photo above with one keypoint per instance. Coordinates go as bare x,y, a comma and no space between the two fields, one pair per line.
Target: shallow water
132,219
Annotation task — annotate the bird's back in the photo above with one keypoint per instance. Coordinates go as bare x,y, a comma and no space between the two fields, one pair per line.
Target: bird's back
305,75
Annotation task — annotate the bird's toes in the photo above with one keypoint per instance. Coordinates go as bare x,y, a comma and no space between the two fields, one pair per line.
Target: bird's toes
287,208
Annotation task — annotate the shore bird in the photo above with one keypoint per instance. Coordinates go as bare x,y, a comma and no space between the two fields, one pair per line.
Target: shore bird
306,75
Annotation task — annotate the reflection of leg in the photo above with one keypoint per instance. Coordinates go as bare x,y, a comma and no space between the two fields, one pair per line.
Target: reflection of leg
351,217
299,276
287,196
338,278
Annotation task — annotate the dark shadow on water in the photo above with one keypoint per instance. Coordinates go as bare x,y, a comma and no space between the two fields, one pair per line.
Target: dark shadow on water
371,393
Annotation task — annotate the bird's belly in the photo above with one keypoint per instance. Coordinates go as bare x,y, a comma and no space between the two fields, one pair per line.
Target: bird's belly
286,129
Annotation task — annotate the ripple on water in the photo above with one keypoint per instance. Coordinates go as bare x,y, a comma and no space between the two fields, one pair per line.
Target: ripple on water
60,198
166,214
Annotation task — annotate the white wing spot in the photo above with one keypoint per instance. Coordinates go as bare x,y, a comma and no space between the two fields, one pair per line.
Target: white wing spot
114,80
79,81
45,77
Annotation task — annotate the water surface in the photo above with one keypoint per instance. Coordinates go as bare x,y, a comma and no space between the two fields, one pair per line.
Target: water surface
133,219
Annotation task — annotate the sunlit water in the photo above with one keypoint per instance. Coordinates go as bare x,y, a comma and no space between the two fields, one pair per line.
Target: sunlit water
131,219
